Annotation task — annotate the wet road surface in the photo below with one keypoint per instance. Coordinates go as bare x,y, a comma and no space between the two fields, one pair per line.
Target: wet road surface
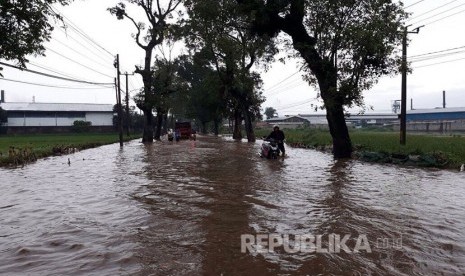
181,208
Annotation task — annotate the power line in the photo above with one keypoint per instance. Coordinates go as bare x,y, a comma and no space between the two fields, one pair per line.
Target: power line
437,8
51,70
447,61
81,54
53,76
82,33
429,23
284,88
278,83
418,2
296,104
82,45
53,86
440,51
435,15
77,62
287,88
420,59
282,85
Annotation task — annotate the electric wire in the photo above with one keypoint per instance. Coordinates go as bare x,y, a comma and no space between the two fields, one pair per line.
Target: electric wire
280,82
81,54
440,51
81,32
427,12
440,19
282,86
435,15
53,86
418,2
77,62
297,105
287,89
82,45
306,101
51,70
54,76
437,63
427,58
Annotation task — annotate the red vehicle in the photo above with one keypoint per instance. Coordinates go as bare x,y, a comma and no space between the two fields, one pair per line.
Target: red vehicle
184,129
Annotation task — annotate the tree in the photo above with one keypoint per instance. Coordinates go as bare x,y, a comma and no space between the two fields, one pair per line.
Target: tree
168,85
147,38
24,27
205,98
346,46
169,92
135,120
217,29
270,112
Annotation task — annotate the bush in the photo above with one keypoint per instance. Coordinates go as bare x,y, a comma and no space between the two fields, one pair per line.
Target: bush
81,126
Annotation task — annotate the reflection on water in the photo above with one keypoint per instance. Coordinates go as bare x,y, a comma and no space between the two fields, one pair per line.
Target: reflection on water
181,208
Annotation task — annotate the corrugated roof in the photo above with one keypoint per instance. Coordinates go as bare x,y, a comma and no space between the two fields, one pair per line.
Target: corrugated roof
81,107
374,116
436,110
312,119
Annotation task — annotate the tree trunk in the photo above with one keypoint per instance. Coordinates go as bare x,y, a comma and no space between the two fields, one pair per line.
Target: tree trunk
159,126
204,127
248,126
237,133
165,124
342,145
216,128
325,72
147,136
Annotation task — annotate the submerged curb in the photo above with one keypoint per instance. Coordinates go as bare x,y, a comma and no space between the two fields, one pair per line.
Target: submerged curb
429,160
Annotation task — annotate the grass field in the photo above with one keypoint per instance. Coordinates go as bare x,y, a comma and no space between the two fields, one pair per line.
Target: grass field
42,145
452,146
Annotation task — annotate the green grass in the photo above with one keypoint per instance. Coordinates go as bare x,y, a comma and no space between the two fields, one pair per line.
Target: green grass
42,145
451,147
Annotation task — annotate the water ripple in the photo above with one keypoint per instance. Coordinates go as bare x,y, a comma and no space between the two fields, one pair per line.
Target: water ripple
180,209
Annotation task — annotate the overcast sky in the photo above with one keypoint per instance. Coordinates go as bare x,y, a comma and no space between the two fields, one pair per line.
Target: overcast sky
75,57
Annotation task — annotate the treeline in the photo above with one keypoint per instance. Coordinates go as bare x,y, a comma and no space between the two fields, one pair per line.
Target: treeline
344,48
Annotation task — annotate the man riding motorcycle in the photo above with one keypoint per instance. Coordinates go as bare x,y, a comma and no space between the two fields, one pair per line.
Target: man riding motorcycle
278,135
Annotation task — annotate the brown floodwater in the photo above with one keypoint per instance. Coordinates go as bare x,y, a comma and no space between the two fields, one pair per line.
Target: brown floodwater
181,208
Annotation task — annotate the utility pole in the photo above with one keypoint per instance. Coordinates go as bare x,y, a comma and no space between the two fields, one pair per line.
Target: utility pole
127,105
403,103
120,108
444,99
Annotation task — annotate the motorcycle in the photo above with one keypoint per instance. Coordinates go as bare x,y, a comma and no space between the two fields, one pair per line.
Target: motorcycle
269,149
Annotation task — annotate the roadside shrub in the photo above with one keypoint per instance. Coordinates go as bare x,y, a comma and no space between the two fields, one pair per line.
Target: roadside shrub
81,126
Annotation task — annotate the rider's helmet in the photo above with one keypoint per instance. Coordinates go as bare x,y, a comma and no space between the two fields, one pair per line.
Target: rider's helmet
275,127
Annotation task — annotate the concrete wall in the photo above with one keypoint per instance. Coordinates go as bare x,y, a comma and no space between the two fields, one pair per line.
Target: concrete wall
43,121
438,126
54,129
99,118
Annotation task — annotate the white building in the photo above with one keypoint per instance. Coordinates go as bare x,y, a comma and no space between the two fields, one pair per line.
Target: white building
320,121
58,116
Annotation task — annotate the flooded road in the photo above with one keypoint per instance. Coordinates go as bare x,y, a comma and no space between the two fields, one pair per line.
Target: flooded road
181,209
